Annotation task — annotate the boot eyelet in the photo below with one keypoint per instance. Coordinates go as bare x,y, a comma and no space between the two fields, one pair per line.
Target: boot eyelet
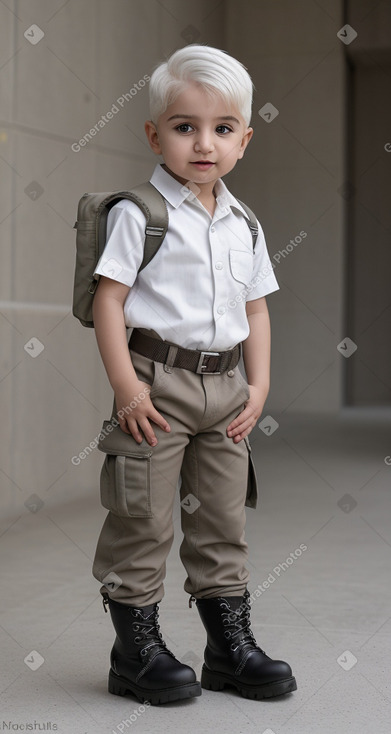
137,639
233,647
135,627
143,652
227,634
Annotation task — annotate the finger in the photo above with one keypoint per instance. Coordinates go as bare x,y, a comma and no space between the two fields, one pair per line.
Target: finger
123,426
247,410
240,428
240,438
148,431
159,420
245,432
134,430
244,415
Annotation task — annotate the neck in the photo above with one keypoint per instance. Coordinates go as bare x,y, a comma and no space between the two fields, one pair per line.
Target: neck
206,193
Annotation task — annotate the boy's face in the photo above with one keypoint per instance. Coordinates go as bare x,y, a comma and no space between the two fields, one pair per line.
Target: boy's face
200,137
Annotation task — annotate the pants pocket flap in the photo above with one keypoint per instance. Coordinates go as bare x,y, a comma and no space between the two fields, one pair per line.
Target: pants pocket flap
113,440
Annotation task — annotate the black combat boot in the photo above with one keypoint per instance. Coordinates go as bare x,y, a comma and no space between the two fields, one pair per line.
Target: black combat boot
140,660
232,656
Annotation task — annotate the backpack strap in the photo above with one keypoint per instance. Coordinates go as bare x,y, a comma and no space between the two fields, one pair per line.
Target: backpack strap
251,221
153,205
154,208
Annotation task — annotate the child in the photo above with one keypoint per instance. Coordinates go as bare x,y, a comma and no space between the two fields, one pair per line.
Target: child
201,296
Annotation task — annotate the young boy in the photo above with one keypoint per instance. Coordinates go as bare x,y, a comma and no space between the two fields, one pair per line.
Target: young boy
201,296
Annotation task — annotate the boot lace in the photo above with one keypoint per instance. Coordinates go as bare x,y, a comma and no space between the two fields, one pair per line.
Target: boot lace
149,632
237,623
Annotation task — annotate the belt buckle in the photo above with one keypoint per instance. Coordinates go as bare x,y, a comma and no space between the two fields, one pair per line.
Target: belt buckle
202,368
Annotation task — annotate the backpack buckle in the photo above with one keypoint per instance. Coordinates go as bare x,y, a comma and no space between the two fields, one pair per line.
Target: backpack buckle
154,231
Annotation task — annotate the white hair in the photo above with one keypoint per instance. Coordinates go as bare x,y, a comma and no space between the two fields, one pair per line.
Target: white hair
213,69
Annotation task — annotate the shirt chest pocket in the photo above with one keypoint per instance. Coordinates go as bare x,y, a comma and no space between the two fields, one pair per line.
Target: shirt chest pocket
241,265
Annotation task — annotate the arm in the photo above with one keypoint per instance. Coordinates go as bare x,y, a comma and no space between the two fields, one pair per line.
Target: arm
256,348
110,330
256,357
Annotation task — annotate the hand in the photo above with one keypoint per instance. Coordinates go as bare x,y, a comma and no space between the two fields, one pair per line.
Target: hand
135,410
243,424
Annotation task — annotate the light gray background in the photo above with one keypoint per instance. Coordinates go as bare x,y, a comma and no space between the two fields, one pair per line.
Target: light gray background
320,166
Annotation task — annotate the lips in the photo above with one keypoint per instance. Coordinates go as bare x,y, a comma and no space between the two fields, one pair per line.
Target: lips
202,164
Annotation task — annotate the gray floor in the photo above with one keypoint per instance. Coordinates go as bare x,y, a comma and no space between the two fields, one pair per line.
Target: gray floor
325,486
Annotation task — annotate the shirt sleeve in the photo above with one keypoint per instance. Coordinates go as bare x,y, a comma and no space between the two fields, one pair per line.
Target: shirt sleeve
124,248
263,280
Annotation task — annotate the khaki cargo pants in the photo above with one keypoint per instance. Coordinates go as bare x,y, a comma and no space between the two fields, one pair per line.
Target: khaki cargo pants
139,483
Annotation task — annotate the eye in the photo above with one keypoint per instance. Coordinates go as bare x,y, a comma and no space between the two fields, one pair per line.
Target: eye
184,127
223,129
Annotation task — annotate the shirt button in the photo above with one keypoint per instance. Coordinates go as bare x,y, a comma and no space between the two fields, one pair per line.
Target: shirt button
219,266
221,310
230,373
212,229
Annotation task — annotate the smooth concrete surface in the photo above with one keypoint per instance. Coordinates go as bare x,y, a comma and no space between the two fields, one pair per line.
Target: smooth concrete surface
319,560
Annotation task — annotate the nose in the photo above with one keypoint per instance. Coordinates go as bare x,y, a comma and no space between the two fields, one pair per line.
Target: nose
204,142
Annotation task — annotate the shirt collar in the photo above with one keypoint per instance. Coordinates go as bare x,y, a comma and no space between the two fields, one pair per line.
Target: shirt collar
169,187
176,193
224,197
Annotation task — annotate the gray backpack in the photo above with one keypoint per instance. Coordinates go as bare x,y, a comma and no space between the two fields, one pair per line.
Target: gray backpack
91,235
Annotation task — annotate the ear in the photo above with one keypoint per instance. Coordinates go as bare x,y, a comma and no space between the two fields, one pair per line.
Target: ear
245,141
153,137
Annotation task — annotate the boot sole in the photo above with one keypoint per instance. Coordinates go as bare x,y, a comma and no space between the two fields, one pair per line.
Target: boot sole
121,686
213,681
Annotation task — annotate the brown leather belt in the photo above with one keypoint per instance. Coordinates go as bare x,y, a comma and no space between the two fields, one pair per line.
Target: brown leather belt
201,362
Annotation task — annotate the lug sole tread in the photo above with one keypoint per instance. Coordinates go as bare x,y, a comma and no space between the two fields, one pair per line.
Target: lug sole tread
120,686
215,681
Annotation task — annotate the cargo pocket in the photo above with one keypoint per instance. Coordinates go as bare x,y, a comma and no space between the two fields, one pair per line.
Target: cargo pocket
125,480
252,483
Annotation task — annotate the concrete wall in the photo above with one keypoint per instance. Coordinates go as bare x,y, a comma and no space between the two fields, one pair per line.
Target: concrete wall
291,176
369,252
53,91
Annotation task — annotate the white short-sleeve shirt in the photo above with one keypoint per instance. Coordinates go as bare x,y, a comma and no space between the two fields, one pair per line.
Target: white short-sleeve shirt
194,291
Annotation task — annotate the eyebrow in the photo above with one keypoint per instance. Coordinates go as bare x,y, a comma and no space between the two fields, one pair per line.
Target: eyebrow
195,117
